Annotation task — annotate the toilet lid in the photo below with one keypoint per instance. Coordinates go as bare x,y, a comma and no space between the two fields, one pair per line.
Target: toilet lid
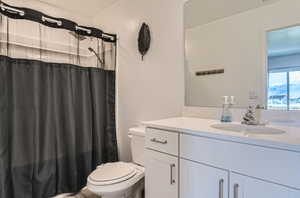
111,173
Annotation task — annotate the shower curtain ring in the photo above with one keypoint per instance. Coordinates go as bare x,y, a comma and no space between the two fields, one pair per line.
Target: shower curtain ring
50,20
12,10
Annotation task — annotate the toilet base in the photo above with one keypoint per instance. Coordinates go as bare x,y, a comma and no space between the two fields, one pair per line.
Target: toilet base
137,191
83,193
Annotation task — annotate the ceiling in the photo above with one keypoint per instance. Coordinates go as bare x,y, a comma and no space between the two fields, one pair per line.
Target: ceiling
284,42
89,8
200,12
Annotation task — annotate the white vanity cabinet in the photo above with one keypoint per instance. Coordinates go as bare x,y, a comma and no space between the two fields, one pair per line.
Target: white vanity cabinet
201,181
247,187
269,171
197,164
161,175
162,167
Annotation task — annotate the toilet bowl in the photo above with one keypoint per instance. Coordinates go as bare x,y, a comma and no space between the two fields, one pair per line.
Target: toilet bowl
121,179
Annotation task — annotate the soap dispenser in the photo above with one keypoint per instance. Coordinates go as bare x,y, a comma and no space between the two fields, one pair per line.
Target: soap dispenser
226,112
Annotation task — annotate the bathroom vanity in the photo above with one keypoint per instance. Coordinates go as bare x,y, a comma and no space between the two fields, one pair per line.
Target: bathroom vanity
192,158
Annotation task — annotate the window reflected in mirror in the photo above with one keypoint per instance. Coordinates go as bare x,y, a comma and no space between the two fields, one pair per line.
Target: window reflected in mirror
284,69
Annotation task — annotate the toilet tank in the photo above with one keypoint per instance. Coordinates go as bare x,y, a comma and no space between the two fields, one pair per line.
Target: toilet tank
137,137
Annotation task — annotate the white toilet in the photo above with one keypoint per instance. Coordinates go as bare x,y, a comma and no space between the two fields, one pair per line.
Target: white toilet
121,179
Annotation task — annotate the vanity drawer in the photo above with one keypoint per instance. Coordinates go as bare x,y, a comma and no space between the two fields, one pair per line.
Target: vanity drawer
162,140
270,164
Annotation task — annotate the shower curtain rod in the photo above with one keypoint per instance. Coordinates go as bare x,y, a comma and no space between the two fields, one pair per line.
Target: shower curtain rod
34,15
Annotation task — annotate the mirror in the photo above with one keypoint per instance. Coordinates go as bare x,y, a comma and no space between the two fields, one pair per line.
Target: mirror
241,48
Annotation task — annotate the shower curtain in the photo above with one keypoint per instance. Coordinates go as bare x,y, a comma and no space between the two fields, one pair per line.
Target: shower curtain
57,108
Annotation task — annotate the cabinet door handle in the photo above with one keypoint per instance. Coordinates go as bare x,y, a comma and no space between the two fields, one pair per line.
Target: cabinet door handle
236,191
221,188
172,180
159,141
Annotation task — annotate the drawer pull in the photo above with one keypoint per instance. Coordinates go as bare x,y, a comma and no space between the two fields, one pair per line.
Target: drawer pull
221,188
236,191
159,141
172,180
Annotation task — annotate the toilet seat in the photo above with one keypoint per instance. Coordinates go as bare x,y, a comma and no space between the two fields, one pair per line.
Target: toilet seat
112,173
119,184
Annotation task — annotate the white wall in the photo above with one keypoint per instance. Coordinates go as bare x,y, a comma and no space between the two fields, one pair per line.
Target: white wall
236,43
153,88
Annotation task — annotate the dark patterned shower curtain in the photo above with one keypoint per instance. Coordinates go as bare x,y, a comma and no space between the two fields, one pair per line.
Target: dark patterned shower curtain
57,108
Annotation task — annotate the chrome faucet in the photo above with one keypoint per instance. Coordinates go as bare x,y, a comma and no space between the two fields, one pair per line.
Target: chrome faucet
249,117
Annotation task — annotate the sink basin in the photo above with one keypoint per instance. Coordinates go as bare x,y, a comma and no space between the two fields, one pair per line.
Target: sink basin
257,130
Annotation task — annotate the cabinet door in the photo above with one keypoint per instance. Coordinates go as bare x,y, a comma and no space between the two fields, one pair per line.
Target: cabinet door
247,187
201,181
161,175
